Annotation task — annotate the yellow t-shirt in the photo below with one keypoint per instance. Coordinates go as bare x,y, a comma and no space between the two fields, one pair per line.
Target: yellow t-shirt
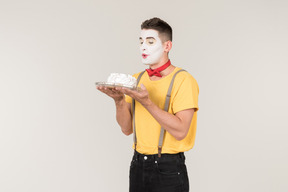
184,95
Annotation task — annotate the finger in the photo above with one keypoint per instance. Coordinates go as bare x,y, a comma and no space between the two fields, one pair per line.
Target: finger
143,87
127,91
98,87
106,91
119,89
116,90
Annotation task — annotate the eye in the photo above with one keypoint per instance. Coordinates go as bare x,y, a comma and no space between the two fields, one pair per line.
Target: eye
150,41
141,41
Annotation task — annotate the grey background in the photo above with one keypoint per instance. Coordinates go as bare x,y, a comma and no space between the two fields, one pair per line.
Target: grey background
55,126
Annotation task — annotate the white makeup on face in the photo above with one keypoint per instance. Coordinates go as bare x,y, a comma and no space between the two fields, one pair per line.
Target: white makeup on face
151,47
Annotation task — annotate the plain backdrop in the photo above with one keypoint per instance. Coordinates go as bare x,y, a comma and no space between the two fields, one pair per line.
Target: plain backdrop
59,134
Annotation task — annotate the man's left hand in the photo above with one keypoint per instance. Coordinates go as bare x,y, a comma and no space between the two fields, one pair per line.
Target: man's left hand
141,95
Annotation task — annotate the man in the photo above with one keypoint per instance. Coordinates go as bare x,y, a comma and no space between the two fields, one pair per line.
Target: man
158,164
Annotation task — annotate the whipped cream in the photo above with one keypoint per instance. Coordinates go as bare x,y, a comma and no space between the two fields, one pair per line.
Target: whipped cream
123,79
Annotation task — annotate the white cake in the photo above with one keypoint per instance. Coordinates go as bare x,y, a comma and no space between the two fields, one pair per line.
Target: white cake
122,79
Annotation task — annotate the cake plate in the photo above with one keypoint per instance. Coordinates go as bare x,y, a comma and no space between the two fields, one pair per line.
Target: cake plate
113,85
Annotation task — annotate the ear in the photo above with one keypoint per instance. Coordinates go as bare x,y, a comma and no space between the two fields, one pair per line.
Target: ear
167,46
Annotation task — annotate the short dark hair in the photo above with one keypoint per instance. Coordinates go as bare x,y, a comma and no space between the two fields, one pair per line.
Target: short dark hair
163,28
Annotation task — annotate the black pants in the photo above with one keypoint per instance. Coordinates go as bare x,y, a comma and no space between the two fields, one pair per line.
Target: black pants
149,173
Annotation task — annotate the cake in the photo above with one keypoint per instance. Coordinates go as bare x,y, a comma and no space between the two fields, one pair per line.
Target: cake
122,79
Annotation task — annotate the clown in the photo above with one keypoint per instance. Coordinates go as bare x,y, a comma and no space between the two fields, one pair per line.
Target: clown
162,115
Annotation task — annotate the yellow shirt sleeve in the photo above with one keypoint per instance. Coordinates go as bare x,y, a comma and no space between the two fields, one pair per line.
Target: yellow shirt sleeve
185,94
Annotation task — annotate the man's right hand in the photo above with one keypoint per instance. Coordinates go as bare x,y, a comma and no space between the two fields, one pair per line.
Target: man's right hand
111,92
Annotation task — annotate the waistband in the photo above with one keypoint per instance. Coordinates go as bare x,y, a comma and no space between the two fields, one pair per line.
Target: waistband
141,156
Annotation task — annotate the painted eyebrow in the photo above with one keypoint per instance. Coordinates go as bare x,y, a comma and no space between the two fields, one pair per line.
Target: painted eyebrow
147,38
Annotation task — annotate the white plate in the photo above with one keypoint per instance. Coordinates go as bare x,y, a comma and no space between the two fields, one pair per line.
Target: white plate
112,85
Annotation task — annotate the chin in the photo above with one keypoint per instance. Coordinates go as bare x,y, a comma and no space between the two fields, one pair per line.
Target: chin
146,62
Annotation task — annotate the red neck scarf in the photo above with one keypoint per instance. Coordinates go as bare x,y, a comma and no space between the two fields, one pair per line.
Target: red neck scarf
156,72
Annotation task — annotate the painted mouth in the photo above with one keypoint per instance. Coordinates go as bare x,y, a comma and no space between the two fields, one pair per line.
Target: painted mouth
144,56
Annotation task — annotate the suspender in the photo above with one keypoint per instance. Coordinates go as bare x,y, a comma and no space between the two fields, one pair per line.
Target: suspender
133,109
166,107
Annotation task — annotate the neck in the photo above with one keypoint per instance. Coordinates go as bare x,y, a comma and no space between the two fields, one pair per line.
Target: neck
159,64
167,71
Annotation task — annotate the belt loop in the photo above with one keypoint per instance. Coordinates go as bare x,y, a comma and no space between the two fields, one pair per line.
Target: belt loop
159,151
135,155
182,155
135,147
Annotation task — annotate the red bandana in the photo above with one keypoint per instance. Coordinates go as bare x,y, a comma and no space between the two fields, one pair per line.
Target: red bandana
157,71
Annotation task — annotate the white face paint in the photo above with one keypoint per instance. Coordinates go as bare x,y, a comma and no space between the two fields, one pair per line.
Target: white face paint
151,47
